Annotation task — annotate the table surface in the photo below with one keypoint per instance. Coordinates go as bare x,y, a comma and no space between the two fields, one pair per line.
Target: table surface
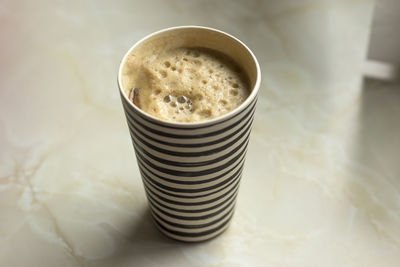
321,185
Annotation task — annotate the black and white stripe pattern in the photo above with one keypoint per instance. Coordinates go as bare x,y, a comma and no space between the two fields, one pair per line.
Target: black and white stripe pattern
191,173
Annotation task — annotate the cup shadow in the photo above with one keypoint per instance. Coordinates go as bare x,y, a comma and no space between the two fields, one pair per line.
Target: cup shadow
144,244
379,127
374,185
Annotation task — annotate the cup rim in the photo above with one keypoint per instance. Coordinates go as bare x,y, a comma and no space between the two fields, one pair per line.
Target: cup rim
215,120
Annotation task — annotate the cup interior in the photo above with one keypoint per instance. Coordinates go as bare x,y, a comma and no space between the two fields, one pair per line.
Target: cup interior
191,37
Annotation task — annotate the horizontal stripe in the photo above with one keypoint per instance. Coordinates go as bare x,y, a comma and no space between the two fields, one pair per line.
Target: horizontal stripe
235,176
193,216
235,149
194,226
226,208
181,143
188,180
159,210
186,154
185,151
179,203
177,157
195,145
180,136
178,173
188,127
234,182
192,211
204,233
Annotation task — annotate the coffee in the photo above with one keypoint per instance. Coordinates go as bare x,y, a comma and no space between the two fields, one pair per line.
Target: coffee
187,84
190,171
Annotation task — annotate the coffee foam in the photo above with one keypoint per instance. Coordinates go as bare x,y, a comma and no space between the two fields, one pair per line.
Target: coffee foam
188,84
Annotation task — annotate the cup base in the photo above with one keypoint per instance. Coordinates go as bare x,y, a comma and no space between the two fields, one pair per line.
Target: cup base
192,239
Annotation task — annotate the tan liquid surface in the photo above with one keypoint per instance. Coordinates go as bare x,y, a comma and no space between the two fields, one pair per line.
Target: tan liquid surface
188,85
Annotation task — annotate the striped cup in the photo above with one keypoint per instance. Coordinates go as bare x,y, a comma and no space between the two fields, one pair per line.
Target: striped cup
191,171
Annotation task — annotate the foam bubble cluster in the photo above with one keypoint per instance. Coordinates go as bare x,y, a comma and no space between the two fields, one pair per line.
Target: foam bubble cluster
190,84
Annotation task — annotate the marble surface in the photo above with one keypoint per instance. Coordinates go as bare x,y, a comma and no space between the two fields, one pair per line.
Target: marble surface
321,185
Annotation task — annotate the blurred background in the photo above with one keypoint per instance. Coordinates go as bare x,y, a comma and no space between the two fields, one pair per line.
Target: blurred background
322,180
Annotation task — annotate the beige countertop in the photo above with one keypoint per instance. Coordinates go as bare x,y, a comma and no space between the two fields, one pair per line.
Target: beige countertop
321,185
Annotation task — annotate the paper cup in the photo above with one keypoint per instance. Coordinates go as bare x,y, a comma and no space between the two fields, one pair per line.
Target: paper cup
191,171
